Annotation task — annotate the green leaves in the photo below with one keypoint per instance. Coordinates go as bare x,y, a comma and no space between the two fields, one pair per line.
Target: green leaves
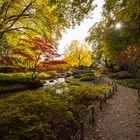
42,16
111,41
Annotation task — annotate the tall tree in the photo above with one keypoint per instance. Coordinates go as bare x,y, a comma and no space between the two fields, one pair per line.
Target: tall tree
77,55
110,40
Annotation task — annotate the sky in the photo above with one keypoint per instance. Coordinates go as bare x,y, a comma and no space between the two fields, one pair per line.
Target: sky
80,32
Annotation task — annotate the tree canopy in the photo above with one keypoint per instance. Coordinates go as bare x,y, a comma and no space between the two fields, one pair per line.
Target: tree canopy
41,17
111,41
36,19
77,54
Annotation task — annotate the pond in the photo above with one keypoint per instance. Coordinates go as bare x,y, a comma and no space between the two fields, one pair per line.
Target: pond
54,81
51,83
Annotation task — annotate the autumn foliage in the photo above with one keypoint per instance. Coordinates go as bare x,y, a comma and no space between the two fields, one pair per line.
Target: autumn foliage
130,58
39,54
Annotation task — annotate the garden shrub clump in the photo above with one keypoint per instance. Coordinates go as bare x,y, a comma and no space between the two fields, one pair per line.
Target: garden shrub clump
131,83
85,94
14,77
35,115
12,82
80,73
43,115
75,72
120,75
126,79
87,78
51,74
21,77
103,70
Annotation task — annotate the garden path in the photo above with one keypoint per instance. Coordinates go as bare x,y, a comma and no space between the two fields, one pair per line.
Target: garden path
119,119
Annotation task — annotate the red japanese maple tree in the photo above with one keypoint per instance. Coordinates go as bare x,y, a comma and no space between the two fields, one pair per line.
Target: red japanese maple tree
40,53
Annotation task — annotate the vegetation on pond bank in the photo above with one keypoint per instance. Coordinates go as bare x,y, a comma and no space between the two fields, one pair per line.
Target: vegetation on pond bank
13,82
45,115
20,77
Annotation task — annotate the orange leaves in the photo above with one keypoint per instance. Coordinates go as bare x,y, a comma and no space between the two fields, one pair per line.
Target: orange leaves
40,54
49,69
22,53
6,60
42,42
55,62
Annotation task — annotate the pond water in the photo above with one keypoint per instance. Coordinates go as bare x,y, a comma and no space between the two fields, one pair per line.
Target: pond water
54,81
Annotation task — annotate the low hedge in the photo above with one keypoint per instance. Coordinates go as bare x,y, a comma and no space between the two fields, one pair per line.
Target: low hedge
6,69
87,78
75,72
131,83
14,77
77,76
21,77
81,75
86,94
120,75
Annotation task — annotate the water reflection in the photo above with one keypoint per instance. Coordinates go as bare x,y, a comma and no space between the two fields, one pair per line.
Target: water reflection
54,81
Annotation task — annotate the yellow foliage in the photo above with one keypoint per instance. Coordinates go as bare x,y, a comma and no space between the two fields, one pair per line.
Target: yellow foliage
97,73
77,55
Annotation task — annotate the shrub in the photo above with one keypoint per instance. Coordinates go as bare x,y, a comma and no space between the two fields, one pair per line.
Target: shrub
40,115
52,73
21,77
77,76
89,74
6,69
86,93
13,88
79,72
131,83
103,70
35,115
87,78
81,75
121,75
14,77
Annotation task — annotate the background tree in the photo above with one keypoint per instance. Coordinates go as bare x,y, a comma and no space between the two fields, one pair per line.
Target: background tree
129,60
77,54
110,40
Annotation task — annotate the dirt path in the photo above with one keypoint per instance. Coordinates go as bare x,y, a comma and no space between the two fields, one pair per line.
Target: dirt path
119,119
